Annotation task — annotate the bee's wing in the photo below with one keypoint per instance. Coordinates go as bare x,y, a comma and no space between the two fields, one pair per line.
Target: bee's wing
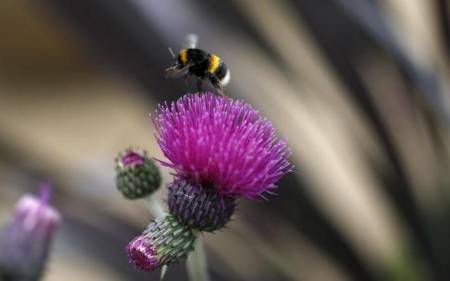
175,71
190,41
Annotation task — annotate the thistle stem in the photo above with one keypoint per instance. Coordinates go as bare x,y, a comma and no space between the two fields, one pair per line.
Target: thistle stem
163,272
155,208
196,263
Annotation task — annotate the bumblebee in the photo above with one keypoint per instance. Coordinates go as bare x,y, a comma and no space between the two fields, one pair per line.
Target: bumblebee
192,62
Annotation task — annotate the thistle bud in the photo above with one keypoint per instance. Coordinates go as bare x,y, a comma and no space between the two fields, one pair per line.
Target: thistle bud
137,175
26,240
199,207
164,241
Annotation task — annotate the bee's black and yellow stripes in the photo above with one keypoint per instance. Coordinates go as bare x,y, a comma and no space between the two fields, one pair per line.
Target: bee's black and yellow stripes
214,63
204,65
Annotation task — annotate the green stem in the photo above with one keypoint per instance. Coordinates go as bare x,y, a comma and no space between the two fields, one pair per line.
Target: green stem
155,208
196,263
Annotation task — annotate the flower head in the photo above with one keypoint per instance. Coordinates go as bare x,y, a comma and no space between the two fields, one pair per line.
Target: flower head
25,241
215,140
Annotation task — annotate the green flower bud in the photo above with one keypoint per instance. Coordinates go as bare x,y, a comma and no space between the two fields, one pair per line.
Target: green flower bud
137,176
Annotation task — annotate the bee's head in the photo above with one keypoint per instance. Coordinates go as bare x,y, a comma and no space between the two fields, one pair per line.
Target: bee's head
181,58
179,66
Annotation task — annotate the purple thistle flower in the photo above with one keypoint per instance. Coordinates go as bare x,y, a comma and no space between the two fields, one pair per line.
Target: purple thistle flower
215,140
25,241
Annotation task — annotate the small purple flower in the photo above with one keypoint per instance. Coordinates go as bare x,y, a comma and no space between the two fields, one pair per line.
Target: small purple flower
132,158
215,140
25,241
143,254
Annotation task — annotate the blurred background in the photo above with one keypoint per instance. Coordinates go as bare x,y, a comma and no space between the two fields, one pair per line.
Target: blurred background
359,87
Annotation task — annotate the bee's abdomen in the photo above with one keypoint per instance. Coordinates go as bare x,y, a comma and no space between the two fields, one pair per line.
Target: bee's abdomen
214,64
221,71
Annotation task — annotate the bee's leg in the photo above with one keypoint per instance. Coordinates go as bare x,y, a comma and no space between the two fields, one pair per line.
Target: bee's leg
221,91
200,84
177,70
217,84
